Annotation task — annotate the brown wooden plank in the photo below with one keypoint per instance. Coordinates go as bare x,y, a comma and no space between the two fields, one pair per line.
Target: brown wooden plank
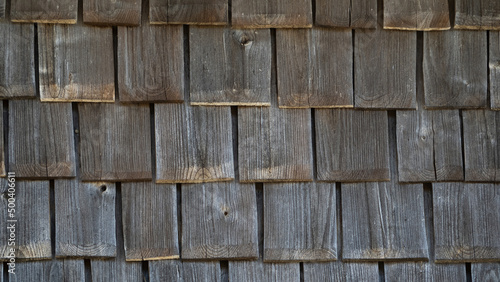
424,271
50,270
272,14
31,220
255,271
494,68
149,213
364,13
193,144
340,271
17,75
489,272
462,55
314,68
478,14
219,221
76,63
112,12
44,11
305,212
230,66
346,13
85,219
199,12
175,270
416,15
41,142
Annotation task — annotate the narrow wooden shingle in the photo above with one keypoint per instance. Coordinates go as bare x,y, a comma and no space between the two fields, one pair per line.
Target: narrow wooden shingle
494,67
165,270
466,222
230,66
300,222
41,142
199,12
49,270
424,271
219,221
76,63
149,213
116,269
256,271
315,68
85,219
477,14
416,15
462,56
272,13
44,11
115,142
346,13
112,12
341,271
489,272
193,144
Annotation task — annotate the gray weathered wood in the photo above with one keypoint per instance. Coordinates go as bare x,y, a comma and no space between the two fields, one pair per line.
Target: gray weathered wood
477,14
340,271
149,213
485,272
17,78
272,14
2,16
41,142
112,12
346,13
115,142
175,270
2,145
32,220
166,270
466,222
424,271
85,219
49,270
193,144
219,221
314,68
230,66
76,63
494,67
44,11
116,269
352,145
300,222
256,271
199,12
462,56
416,15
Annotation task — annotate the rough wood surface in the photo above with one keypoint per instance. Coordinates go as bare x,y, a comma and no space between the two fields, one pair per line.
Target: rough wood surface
116,269
199,12
17,78
424,271
256,271
193,144
41,142
44,11
106,132
466,222
478,14
31,220
2,16
230,66
149,213
416,15
341,271
219,221
2,145
314,68
112,12
487,272
462,55
352,145
76,63
49,270
85,219
494,68
346,13
174,270
272,14
300,222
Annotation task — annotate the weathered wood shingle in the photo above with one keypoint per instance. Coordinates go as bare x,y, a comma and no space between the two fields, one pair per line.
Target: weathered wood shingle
478,14
424,271
485,272
272,13
346,13
45,11
199,12
494,68
416,15
341,271
160,271
112,12
49,270
255,271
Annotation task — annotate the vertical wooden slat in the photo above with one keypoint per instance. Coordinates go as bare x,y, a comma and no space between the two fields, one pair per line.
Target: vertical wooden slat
272,14
201,12
116,269
364,13
165,270
424,271
494,67
51,270
341,271
416,15
255,271
479,14
44,11
112,12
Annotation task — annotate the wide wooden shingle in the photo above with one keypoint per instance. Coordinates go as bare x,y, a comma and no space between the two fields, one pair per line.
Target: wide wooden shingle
477,14
272,13
346,13
199,12
424,271
341,271
49,270
44,11
176,270
489,272
494,68
112,12
416,15
256,271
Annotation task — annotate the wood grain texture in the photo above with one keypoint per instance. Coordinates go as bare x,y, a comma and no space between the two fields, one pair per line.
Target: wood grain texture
112,12
17,78
116,269
346,13
480,14
230,66
51,270
314,68
466,222
424,271
193,144
463,56
272,14
352,145
41,142
199,12
106,132
219,221
175,270
494,69
300,222
340,271
416,15
151,63
255,271
85,219
149,213
2,16
32,225
45,11
2,145
487,272
76,63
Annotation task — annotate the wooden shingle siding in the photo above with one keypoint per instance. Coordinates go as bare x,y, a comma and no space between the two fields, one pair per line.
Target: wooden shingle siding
494,68
256,271
230,66
485,272
49,270
198,12
17,60
41,139
44,11
477,14
85,219
116,269
272,13
338,271
112,12
165,270
416,15
231,209
314,68
2,14
346,13
76,63
455,69
424,271
466,222
149,213
160,271
2,145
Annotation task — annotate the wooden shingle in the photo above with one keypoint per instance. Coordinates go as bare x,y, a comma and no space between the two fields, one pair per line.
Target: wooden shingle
272,13
256,271
49,270
477,14
2,145
2,14
44,11
199,12
346,13
485,272
341,271
165,270
112,12
116,269
416,15
424,271
494,68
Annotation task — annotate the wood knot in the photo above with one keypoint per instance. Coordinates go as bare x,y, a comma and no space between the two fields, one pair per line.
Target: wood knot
245,41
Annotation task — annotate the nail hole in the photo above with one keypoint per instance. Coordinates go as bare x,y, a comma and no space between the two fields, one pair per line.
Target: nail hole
226,213
103,188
